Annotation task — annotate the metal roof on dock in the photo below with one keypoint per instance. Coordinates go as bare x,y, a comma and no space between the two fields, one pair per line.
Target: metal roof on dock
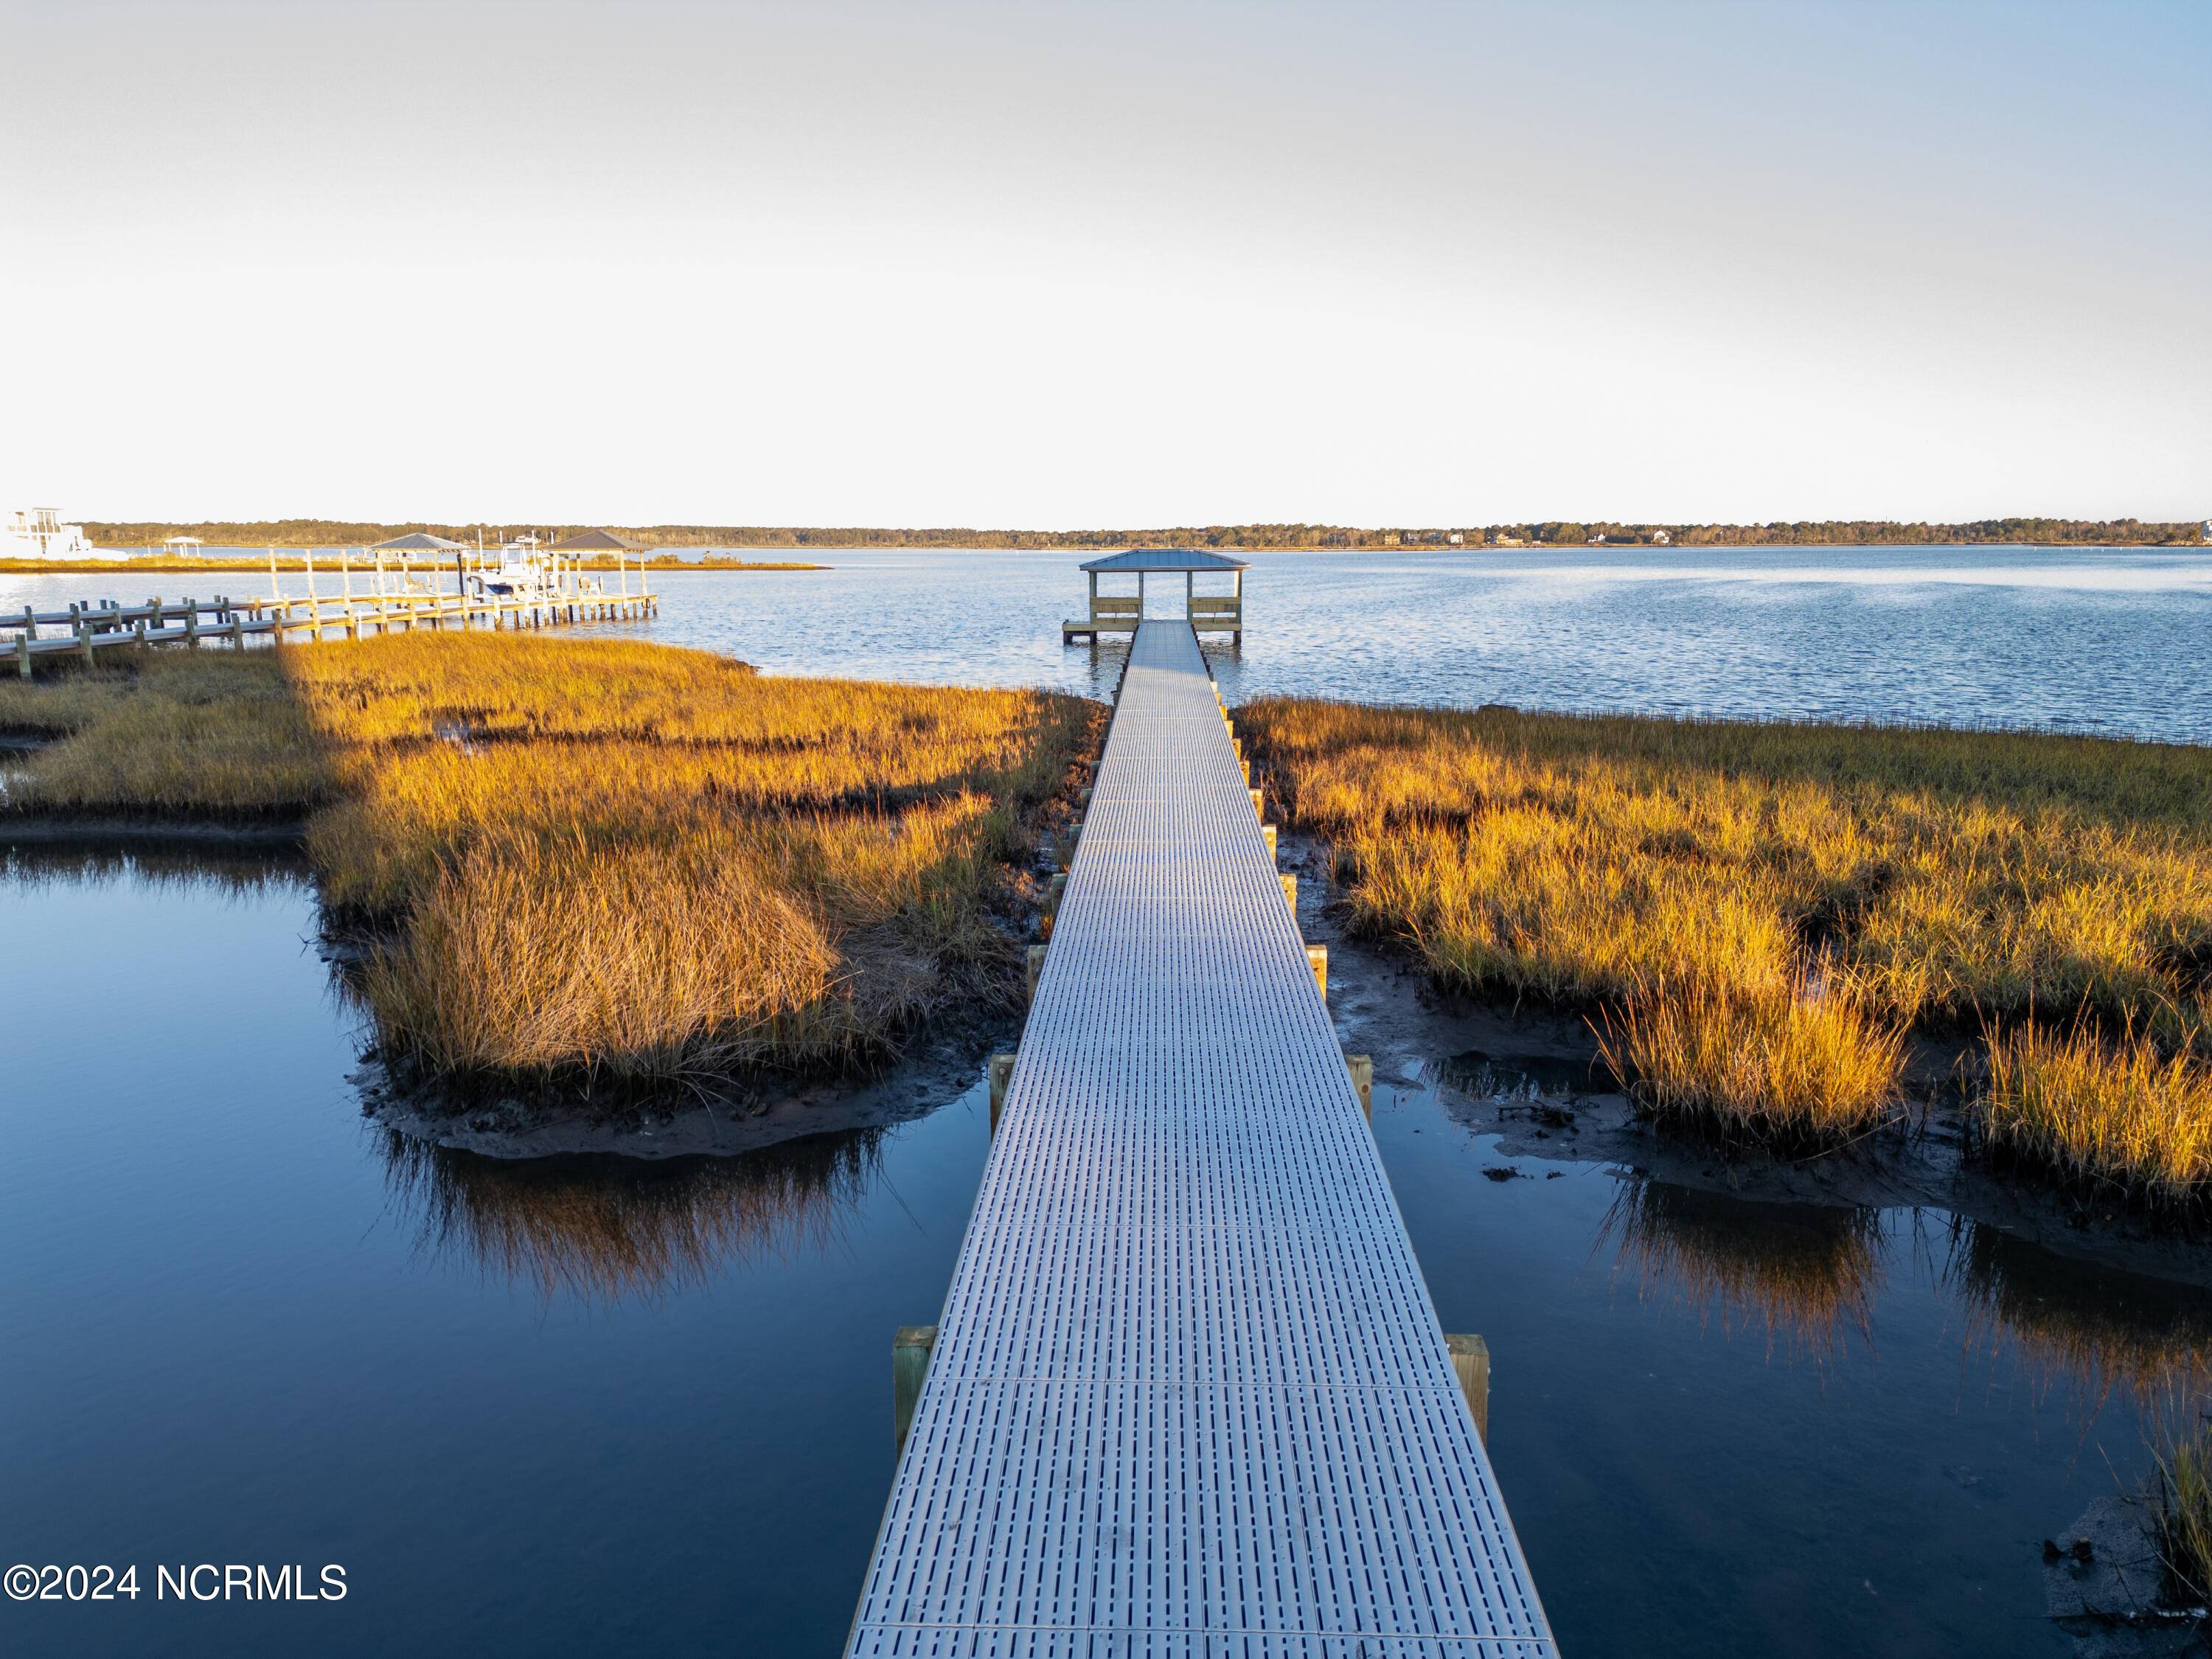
417,541
1166,558
598,541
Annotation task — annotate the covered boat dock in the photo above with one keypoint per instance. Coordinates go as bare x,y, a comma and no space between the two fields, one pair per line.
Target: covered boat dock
1208,613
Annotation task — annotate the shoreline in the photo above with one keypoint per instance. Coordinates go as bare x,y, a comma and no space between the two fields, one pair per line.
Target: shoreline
1557,1102
658,559
1529,1077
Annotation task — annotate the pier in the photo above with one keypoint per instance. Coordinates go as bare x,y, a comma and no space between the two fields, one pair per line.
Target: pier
1188,1394
83,631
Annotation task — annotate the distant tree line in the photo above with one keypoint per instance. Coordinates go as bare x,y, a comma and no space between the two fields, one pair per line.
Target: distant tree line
1829,532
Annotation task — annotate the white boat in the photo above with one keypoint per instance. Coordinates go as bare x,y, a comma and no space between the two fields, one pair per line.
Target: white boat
525,572
518,579
40,533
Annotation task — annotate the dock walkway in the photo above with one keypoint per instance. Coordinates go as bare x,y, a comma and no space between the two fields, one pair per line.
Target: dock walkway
1188,1395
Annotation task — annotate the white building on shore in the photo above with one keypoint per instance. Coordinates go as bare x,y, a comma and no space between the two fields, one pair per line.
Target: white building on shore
39,534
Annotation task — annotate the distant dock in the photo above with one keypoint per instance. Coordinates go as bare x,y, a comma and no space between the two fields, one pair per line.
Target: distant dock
422,598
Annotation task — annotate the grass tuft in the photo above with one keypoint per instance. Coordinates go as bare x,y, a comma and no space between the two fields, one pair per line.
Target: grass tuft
2123,1111
2181,1442
1778,1062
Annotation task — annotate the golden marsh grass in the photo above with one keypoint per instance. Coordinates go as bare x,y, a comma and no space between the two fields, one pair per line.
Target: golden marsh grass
2124,1110
599,857
2181,1437
1760,912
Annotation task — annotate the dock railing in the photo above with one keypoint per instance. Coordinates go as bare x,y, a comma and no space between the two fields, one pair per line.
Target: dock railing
422,598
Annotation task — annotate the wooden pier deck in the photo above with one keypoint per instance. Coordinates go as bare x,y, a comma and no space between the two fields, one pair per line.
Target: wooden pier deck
1188,1394
85,630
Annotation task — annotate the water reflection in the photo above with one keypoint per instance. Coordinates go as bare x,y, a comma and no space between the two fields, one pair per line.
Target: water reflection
2088,1328
243,869
605,1228
1805,1274
1811,1275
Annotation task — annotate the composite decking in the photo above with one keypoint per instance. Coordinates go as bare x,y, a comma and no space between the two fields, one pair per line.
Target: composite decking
1188,1395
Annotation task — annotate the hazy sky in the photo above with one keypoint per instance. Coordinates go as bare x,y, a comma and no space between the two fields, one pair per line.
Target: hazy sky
1065,266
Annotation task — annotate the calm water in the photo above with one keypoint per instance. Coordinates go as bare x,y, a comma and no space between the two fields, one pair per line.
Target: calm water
2110,642
580,1407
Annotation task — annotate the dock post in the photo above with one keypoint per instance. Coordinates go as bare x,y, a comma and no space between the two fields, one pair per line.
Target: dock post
1002,1073
30,623
1267,833
910,1352
84,638
1290,892
23,655
1065,852
1037,969
1317,959
1257,806
1361,1069
1054,891
1470,1358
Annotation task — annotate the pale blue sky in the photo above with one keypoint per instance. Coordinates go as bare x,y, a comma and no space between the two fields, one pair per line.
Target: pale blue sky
1062,265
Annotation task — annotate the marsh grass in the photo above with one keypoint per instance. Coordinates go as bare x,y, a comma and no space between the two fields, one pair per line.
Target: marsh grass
1757,915
595,859
2122,1110
2181,1443
1776,1061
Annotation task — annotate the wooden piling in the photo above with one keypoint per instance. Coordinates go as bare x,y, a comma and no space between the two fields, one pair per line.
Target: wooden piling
910,1351
1317,959
1002,1074
1470,1358
1362,1070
